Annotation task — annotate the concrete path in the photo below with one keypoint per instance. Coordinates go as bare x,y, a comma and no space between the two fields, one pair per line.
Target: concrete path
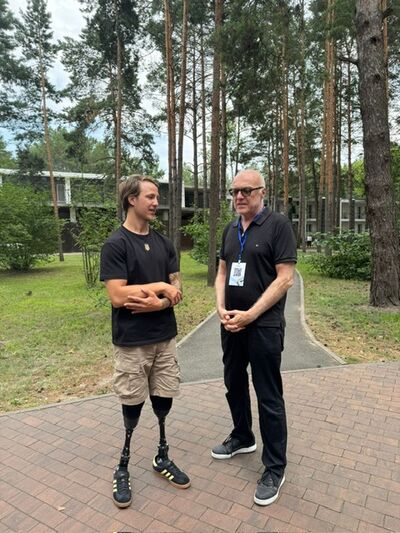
200,355
343,470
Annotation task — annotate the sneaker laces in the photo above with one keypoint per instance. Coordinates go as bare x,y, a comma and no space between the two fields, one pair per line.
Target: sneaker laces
122,481
266,479
172,468
227,440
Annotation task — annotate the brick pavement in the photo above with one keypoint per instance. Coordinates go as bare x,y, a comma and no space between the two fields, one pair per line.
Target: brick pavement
343,469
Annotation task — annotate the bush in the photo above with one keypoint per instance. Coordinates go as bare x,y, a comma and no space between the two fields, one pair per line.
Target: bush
199,229
94,226
348,257
28,229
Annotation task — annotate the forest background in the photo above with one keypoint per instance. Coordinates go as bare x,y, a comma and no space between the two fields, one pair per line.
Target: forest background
290,87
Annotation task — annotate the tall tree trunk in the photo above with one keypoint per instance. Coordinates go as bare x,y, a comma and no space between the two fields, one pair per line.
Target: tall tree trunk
278,155
224,135
322,177
383,7
118,114
171,106
385,283
195,144
50,156
181,131
285,125
215,150
237,150
350,185
301,135
338,151
274,158
203,119
330,122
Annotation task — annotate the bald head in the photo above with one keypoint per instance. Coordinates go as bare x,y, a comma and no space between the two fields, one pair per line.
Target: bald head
251,176
248,193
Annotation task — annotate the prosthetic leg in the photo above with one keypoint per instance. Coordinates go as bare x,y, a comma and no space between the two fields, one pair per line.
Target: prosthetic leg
162,465
122,492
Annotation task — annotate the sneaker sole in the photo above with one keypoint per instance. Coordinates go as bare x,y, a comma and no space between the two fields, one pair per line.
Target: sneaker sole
122,505
270,500
177,485
249,449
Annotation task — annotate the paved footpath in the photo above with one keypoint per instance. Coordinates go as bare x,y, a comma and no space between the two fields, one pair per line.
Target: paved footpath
200,355
343,470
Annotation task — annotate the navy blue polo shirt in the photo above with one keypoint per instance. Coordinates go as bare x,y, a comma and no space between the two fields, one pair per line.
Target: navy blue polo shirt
270,241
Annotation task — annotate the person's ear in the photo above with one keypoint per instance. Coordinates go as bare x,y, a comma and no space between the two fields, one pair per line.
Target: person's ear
131,200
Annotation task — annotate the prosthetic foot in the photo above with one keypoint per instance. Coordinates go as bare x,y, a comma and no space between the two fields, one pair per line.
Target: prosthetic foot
162,465
122,490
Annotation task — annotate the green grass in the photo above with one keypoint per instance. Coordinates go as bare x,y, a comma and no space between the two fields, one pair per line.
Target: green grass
338,313
55,335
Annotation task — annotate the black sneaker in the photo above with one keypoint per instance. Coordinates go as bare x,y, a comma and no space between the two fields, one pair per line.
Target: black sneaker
122,492
168,469
267,490
230,447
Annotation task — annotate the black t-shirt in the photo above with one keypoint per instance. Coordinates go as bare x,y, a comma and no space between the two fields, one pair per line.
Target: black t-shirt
139,259
270,241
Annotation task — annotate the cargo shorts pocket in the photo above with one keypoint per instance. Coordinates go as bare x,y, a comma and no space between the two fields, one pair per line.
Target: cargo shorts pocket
165,378
130,386
130,380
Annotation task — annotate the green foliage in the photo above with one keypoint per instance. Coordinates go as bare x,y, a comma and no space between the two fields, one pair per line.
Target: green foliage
199,229
348,257
38,53
94,226
28,230
6,157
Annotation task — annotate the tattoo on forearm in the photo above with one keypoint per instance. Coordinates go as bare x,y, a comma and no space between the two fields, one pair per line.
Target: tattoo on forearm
175,280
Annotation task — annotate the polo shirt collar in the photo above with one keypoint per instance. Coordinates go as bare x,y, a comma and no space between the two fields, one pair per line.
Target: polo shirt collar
259,220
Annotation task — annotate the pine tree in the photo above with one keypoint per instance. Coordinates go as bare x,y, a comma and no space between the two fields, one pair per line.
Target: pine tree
39,53
103,66
385,284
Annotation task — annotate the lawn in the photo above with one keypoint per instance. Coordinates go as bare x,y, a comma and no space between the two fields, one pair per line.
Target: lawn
338,313
55,335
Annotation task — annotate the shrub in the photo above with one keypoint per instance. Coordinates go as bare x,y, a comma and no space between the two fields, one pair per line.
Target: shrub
94,226
28,229
349,256
199,229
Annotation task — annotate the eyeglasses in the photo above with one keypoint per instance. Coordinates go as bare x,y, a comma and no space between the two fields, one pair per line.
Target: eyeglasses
246,191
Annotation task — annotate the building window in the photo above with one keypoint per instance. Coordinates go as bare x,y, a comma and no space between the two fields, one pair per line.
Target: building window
60,193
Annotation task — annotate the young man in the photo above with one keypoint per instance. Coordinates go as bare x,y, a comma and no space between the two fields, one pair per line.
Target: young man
140,270
256,269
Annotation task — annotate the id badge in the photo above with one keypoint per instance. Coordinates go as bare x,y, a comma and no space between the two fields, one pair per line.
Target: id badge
236,278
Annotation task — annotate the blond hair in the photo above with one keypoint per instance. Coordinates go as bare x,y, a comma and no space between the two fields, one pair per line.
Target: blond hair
131,187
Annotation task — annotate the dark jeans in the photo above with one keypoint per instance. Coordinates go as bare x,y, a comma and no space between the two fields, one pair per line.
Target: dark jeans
262,348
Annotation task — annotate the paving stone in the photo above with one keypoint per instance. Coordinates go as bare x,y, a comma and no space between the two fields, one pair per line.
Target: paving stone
342,474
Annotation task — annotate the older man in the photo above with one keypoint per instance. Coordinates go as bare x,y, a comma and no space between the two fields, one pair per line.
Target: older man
256,268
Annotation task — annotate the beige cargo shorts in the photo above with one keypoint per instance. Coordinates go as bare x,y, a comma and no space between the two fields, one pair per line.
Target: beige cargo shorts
140,371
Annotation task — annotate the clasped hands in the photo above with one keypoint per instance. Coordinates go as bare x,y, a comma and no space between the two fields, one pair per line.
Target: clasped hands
150,301
235,320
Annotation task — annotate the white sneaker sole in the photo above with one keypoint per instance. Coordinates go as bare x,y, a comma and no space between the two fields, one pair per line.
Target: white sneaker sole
250,449
270,500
